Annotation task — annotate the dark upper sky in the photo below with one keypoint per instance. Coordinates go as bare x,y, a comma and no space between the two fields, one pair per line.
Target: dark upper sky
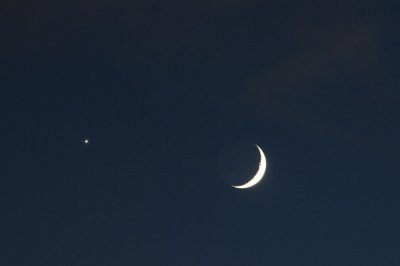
159,87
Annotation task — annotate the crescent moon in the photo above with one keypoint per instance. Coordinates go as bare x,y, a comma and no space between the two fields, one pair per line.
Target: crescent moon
260,173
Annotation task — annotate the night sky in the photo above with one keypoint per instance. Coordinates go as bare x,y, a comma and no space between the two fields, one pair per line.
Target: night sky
159,87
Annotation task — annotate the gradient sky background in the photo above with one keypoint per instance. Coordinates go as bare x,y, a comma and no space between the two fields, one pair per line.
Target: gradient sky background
159,87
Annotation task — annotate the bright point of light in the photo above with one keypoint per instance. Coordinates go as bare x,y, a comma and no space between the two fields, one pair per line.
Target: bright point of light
86,141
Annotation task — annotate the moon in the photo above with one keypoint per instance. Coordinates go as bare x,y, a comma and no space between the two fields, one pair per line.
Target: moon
262,168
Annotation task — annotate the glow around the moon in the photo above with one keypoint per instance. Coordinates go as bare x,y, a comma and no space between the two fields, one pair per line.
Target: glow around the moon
260,173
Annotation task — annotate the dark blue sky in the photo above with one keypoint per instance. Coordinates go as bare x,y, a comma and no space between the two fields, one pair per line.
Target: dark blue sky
159,88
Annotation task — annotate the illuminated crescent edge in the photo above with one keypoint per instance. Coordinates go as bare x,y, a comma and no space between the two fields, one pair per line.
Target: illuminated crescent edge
260,173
